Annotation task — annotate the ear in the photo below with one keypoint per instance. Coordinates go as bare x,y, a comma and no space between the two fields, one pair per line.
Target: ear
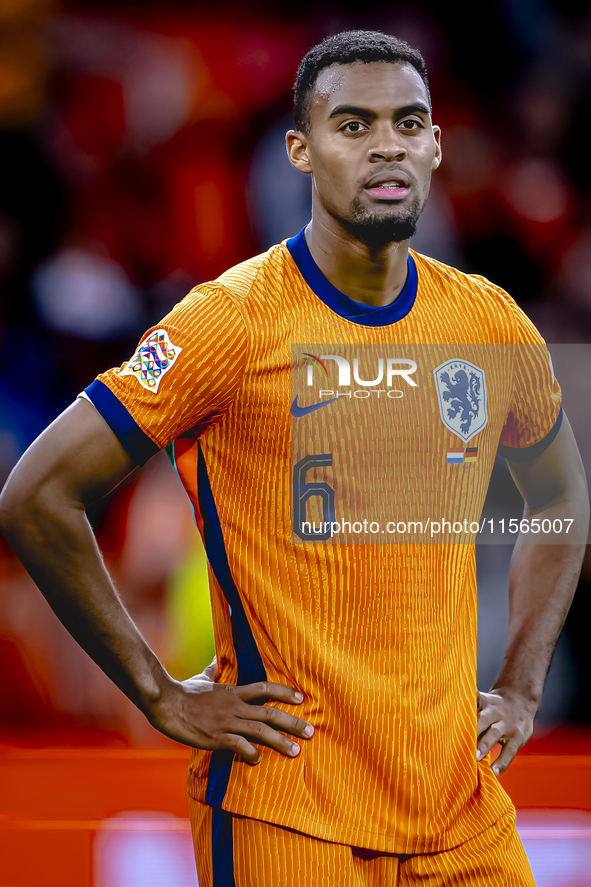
437,158
297,150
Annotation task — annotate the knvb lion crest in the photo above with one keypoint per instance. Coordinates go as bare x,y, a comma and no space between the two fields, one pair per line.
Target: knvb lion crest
461,392
153,359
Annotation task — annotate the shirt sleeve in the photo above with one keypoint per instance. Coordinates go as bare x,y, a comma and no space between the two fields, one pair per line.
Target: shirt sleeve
535,412
183,376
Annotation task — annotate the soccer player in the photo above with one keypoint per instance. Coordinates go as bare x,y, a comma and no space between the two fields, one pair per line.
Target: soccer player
369,763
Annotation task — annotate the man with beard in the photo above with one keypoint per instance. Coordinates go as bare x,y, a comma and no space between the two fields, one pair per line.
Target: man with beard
366,653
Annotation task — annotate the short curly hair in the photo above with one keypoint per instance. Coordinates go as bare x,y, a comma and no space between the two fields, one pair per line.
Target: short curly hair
345,49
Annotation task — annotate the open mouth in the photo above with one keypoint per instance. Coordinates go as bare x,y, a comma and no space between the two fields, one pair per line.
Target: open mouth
391,188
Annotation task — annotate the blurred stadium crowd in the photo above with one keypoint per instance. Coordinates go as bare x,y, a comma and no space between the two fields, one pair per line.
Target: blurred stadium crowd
141,151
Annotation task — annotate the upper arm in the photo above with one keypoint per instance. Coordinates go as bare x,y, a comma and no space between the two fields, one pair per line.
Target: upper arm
77,460
183,377
556,475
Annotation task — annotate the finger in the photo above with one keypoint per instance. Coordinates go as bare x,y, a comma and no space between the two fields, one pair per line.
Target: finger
486,719
280,720
510,749
490,738
267,690
262,734
241,746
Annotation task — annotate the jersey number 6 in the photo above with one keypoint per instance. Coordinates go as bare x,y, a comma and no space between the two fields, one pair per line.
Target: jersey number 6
303,491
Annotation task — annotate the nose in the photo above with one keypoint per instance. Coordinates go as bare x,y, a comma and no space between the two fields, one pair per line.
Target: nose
387,146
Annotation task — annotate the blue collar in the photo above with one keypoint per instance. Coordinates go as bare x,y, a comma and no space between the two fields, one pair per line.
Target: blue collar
342,304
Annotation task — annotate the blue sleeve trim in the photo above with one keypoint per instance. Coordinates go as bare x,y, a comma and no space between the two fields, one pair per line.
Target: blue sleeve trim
136,442
341,304
526,454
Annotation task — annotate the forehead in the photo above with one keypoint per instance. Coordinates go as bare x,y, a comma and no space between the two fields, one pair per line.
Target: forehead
378,86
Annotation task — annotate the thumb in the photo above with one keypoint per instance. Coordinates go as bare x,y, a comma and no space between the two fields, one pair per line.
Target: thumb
212,671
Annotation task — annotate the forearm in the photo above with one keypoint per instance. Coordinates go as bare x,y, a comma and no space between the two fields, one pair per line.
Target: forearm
542,582
76,461
55,543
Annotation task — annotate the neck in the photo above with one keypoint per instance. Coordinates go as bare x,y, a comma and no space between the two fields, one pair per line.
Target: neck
373,275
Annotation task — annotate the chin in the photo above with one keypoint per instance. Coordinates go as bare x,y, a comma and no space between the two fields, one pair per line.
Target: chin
380,229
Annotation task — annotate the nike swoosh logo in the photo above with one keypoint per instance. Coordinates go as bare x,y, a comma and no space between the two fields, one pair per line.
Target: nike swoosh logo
298,412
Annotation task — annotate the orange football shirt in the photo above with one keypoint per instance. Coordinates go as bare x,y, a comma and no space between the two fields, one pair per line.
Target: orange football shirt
380,638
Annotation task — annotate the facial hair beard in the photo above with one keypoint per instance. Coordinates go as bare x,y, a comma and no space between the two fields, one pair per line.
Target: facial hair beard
377,230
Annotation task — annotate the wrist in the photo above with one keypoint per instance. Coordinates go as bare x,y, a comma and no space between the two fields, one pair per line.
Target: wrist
526,695
152,686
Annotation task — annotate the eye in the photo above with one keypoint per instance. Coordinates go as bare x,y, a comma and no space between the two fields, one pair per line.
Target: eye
353,126
411,123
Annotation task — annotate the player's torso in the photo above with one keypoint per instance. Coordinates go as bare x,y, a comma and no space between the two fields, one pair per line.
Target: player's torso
410,414
408,445
374,630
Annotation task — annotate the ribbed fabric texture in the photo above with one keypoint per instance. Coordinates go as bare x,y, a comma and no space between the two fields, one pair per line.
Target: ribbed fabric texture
381,639
264,855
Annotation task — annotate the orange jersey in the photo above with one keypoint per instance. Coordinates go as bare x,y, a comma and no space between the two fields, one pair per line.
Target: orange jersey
380,638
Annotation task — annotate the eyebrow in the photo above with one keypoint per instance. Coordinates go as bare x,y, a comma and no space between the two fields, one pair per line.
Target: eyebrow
356,111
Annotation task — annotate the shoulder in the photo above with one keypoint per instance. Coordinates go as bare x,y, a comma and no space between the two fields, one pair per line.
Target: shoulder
219,312
482,298
230,296
262,272
435,273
